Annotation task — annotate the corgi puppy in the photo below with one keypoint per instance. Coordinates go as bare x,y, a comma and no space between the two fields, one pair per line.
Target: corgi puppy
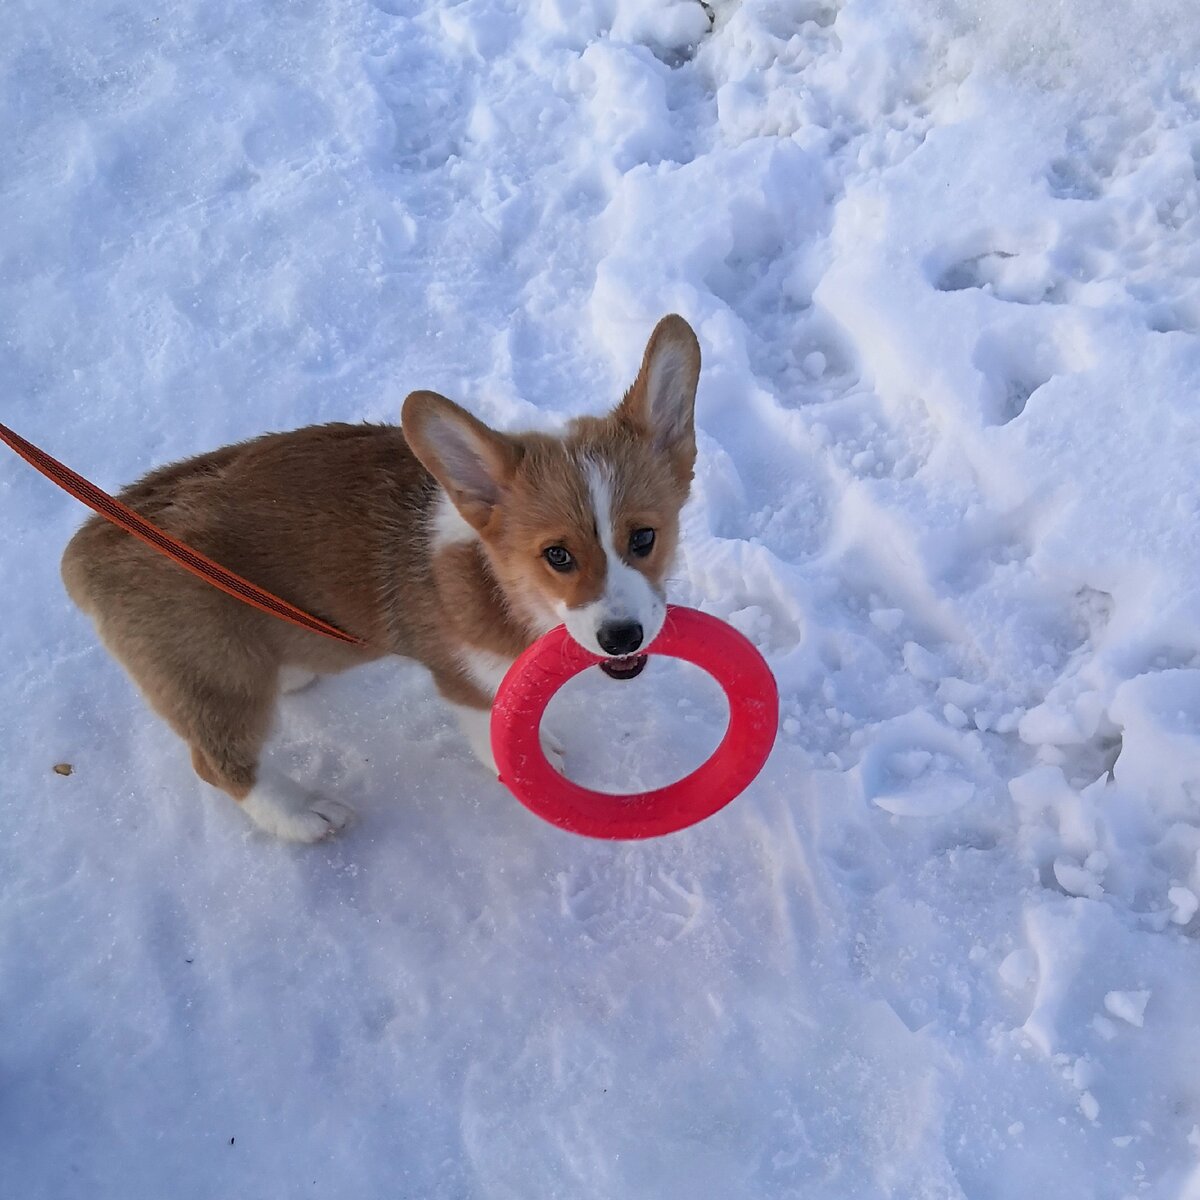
444,541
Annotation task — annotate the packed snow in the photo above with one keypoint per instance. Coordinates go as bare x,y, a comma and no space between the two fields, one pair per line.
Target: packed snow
943,259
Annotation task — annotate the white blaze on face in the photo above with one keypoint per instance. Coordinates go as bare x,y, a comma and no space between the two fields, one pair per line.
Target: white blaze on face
628,595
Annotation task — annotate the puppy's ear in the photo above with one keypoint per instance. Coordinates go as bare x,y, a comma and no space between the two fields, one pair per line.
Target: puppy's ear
472,462
662,401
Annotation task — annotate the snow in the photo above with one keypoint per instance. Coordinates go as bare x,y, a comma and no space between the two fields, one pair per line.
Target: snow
1129,1006
944,264
1185,904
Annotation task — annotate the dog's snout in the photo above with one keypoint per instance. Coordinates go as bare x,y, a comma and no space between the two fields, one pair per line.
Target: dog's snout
619,637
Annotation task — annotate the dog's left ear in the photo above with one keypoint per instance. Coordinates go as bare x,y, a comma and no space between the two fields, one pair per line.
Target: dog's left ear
662,400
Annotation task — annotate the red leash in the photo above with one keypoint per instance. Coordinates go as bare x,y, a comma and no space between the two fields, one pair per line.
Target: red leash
125,518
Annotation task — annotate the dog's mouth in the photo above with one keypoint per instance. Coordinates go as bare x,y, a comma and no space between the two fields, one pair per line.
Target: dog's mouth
629,667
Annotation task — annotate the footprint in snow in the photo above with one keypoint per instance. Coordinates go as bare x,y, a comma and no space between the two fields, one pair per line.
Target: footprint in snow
628,899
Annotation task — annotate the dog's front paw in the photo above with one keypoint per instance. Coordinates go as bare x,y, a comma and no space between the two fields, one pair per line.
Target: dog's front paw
282,808
477,726
333,813
554,750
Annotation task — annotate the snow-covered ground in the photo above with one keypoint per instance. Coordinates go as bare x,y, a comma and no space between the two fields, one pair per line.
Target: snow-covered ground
944,262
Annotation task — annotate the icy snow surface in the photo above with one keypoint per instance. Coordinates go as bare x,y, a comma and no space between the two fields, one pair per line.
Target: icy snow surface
944,263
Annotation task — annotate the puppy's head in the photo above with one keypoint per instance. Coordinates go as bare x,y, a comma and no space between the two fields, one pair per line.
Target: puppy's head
579,529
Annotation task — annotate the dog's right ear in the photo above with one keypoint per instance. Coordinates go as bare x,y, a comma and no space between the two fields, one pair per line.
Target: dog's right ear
472,462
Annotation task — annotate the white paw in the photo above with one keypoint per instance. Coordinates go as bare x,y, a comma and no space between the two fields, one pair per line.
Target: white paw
295,679
476,724
554,750
282,808
334,813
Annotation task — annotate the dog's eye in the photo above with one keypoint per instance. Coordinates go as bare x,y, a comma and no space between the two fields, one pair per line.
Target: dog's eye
559,557
641,542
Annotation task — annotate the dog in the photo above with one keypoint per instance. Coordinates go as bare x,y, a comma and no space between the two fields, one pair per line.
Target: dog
443,540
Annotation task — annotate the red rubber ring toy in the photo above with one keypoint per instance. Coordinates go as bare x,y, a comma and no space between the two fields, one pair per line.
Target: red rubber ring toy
693,636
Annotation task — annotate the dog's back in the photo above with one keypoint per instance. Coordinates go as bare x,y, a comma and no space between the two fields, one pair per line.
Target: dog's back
318,515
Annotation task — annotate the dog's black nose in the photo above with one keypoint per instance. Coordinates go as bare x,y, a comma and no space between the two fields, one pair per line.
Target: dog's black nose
619,637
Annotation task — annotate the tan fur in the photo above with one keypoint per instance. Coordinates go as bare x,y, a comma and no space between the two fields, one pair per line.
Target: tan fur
337,519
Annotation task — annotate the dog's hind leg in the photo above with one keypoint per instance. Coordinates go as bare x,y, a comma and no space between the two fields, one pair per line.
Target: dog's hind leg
226,733
216,685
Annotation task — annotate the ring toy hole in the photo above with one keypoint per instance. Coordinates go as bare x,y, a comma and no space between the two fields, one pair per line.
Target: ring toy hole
624,738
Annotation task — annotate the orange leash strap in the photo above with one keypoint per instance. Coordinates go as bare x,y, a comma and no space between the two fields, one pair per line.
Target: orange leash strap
191,560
